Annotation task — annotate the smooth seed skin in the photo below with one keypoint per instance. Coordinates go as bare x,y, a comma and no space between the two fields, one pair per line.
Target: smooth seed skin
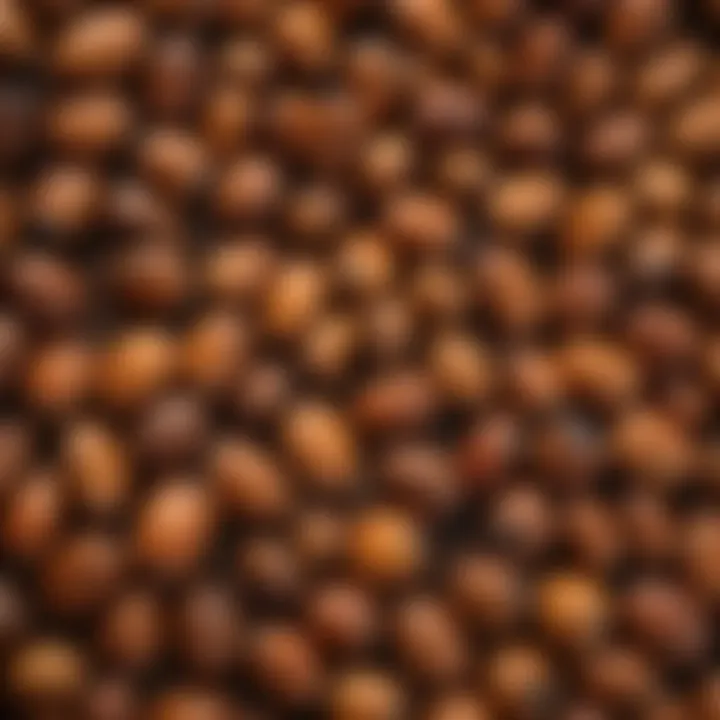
359,360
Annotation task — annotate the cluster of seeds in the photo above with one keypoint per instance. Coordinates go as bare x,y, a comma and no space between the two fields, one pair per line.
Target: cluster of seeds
360,359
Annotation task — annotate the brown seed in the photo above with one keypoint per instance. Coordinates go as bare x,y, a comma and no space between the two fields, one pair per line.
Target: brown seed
592,82
294,299
329,348
364,265
267,568
522,521
263,393
366,695
321,445
598,372
319,538
694,130
131,634
249,189
228,120
190,704
621,679
700,543
385,163
49,291
209,628
385,546
487,451
631,25
525,203
136,365
238,270
428,642
151,278
342,618
59,378
668,74
438,293
14,616
174,528
100,44
595,221
97,467
651,447
456,706
590,533
486,591
285,664
33,516
215,349
82,573
13,351
47,670
397,401
664,618
518,680
89,124
111,699
420,477
460,368
173,161
421,223
304,36
173,431
572,609
248,481
67,198
173,76
649,531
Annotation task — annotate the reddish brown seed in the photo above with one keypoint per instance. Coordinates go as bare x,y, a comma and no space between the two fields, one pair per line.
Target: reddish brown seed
32,516
421,223
461,369
620,678
136,364
319,538
304,36
111,699
518,680
187,703
173,161
595,220
321,445
366,695
572,609
249,189
385,546
174,528
651,446
237,270
456,706
67,198
525,203
294,299
486,590
89,124
97,467
393,402
215,349
285,664
209,629
248,482
428,642
82,573
420,477
342,617
487,451
131,634
59,378
47,670
100,44
267,568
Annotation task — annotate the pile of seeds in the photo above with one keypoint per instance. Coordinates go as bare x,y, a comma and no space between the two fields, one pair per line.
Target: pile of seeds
360,359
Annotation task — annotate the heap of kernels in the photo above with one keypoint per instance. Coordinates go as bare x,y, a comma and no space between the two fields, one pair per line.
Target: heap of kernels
360,359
